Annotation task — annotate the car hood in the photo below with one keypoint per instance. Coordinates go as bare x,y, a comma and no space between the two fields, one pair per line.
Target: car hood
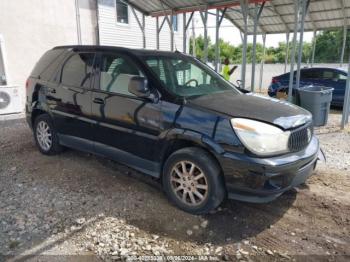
252,106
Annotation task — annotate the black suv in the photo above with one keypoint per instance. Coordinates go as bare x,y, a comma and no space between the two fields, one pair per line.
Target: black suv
170,116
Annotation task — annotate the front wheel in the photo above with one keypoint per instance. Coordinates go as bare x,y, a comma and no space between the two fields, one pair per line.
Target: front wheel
192,180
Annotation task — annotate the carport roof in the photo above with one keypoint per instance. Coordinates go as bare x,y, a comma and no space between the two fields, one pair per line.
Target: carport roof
277,16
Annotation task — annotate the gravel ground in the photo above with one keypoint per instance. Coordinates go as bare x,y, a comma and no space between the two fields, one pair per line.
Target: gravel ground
79,204
335,143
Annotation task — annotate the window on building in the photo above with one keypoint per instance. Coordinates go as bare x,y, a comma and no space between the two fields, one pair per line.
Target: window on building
174,22
122,12
77,71
116,72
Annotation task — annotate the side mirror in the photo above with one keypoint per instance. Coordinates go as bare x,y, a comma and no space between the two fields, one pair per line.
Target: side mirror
138,86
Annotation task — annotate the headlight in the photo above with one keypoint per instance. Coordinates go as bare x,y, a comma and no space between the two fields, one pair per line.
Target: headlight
261,138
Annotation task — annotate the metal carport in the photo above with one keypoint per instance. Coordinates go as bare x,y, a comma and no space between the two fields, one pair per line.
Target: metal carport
259,17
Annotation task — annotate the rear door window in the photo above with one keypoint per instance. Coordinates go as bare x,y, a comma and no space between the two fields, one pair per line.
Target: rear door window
77,71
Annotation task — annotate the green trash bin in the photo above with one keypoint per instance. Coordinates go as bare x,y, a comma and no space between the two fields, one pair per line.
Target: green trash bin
317,100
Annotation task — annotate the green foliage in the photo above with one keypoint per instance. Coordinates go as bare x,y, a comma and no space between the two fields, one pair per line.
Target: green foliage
329,46
328,49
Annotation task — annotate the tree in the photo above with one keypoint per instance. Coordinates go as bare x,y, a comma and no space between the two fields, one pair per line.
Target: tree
328,49
329,45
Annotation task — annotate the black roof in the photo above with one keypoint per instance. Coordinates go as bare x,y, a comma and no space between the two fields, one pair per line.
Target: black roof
116,48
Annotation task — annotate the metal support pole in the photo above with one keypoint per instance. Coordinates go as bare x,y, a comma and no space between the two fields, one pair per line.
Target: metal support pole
242,36
301,39
252,83
184,31
345,30
262,62
287,52
217,44
171,25
206,37
313,48
186,24
217,40
257,13
244,8
292,56
144,30
346,105
141,25
193,40
205,24
157,32
77,17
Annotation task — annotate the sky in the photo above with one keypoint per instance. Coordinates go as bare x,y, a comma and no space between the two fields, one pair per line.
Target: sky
229,33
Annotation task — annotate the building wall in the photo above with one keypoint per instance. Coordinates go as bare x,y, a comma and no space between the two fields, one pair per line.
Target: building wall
130,35
31,27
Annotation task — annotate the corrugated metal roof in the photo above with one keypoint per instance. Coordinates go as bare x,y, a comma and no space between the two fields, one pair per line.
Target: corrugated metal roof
277,15
160,7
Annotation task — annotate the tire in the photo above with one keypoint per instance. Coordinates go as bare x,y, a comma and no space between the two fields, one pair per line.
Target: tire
52,146
205,174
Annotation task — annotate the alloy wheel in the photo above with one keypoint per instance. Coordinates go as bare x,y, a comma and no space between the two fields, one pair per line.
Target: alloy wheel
189,183
44,136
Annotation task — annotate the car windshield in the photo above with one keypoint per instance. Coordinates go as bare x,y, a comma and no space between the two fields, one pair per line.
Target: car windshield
186,77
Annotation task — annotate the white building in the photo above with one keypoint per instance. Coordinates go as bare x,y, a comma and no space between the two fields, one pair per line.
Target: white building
119,26
29,28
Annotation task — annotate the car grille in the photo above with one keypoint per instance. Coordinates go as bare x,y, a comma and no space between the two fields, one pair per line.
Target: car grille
300,138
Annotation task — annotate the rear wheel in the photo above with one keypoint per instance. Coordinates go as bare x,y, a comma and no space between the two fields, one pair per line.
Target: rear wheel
192,180
45,135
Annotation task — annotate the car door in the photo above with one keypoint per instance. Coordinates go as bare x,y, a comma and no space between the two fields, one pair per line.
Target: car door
339,87
127,127
71,101
331,78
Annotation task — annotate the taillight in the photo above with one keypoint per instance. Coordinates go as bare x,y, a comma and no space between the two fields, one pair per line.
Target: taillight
274,80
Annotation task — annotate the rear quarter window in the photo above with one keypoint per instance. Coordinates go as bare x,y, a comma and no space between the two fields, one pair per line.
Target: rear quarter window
77,70
47,64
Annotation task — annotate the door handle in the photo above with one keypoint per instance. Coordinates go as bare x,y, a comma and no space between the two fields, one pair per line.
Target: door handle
99,101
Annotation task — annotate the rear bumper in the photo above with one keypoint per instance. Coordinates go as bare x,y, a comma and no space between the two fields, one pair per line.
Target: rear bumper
262,180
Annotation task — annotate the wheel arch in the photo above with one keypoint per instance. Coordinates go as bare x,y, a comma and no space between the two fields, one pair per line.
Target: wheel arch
38,110
177,139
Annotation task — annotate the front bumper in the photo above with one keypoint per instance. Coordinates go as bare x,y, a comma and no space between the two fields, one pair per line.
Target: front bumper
261,180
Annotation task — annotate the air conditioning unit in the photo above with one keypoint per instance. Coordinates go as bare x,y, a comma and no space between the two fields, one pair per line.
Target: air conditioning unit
10,100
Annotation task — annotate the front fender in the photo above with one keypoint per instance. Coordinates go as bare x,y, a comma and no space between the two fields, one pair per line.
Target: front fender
194,137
